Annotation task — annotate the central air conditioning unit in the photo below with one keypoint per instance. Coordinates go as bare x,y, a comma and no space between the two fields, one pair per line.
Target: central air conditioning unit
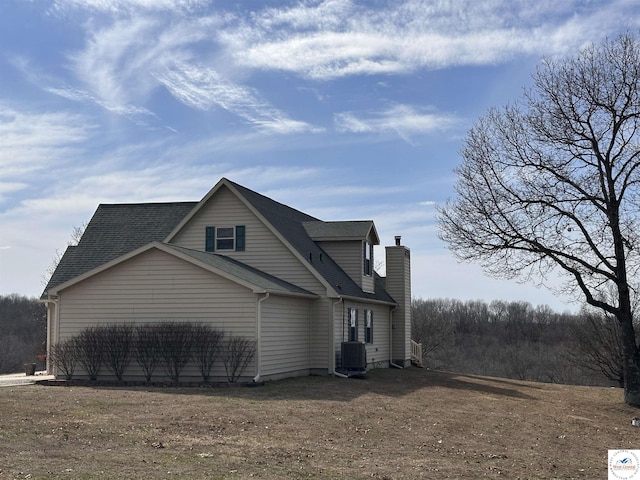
354,356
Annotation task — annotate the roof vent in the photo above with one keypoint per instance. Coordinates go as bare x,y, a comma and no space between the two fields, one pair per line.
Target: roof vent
398,237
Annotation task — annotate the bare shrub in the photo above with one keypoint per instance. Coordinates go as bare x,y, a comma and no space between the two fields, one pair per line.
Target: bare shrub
64,356
207,342
175,346
237,353
90,350
146,348
118,339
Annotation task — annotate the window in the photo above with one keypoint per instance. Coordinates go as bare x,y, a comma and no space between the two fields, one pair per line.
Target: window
353,325
368,326
225,238
368,258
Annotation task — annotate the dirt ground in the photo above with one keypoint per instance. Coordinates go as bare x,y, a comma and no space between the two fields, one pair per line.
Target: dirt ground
391,425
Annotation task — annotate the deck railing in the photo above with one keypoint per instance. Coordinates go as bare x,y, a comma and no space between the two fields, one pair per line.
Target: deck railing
416,353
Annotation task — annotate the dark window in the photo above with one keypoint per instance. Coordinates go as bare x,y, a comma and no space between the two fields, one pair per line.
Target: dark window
353,324
225,238
368,326
368,258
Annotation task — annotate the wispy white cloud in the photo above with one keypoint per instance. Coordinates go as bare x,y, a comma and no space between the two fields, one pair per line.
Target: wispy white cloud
84,96
144,47
123,63
126,6
116,66
203,88
35,141
404,120
331,39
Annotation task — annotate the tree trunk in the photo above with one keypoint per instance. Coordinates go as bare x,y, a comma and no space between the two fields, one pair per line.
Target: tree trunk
631,361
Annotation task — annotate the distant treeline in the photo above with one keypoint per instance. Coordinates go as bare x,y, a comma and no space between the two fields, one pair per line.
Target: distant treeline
23,330
505,339
517,340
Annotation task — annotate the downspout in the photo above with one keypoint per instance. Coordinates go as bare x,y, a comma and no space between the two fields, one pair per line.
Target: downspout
332,342
256,379
391,339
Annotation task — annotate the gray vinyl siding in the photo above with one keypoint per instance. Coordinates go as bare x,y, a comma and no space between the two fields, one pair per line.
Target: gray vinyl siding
285,335
319,347
378,351
153,287
349,255
263,250
156,286
398,284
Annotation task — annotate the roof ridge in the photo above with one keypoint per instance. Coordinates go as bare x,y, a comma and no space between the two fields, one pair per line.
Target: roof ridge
132,204
243,190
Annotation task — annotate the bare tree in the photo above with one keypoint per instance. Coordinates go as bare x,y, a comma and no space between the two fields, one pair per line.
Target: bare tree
12,353
552,184
597,345
432,324
74,239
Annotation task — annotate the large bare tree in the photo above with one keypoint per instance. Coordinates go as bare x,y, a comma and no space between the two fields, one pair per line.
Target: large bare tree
550,185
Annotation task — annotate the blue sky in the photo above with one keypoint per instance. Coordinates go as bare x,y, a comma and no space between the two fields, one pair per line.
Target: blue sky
342,109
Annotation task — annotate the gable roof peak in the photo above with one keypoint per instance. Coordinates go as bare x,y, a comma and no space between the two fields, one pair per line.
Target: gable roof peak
343,230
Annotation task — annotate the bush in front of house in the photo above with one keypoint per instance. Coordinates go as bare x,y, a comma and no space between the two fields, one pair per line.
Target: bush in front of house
206,348
145,349
118,343
175,343
90,349
172,345
64,356
237,353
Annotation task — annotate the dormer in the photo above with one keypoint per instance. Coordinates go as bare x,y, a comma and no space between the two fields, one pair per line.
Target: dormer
350,244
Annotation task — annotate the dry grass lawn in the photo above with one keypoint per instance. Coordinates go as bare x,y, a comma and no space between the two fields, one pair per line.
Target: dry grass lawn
392,425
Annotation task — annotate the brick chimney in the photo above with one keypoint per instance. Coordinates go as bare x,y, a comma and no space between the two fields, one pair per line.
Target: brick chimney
398,284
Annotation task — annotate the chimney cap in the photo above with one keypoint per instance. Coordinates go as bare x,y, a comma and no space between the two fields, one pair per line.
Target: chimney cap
398,237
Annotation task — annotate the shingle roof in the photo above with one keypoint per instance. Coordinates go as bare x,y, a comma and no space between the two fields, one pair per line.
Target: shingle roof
242,271
290,223
319,230
117,229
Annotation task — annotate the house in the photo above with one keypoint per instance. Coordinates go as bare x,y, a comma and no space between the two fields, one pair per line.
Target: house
304,289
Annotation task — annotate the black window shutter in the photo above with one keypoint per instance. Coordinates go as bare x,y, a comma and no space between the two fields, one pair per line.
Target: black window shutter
210,239
240,238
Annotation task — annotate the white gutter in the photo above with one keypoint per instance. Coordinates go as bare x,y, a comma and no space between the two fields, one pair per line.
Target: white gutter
256,379
332,342
391,339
